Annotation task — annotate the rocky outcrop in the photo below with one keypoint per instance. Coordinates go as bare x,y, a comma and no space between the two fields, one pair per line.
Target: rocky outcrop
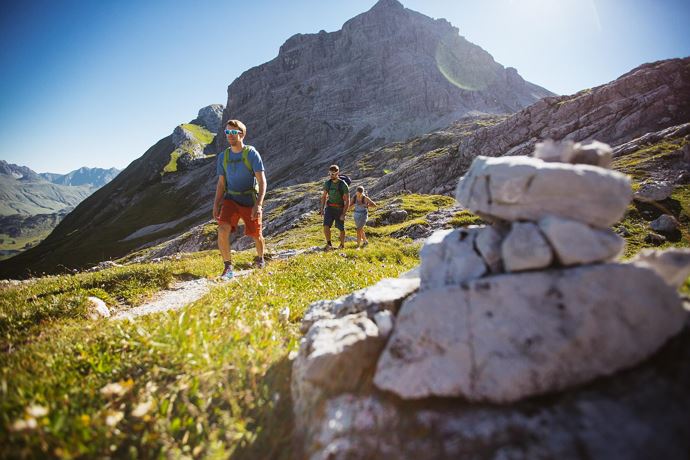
412,74
648,99
210,117
505,315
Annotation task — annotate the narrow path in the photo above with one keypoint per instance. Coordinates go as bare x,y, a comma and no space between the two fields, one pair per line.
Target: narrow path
183,293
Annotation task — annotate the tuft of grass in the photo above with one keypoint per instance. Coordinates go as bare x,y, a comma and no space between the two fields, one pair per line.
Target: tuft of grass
201,134
465,218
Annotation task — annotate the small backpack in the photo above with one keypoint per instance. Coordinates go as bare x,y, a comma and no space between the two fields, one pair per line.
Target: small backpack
245,159
345,179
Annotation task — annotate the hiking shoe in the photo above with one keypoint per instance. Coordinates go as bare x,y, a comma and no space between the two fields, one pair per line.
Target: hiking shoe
227,274
342,246
328,247
259,262
366,242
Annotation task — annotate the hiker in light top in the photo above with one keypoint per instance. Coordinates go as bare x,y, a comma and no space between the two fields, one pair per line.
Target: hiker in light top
239,194
335,200
361,203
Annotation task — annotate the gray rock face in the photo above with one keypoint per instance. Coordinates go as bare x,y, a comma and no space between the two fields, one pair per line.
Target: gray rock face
449,258
525,248
359,87
210,117
507,337
577,243
513,188
647,99
665,223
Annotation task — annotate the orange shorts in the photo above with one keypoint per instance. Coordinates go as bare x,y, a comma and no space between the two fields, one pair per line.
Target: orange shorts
231,213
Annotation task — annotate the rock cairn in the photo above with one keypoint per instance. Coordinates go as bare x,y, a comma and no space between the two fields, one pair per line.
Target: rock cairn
532,304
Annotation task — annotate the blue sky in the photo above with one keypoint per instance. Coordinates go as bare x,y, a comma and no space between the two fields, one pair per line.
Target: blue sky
96,83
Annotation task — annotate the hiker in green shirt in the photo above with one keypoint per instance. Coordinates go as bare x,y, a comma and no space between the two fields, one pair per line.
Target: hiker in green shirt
335,200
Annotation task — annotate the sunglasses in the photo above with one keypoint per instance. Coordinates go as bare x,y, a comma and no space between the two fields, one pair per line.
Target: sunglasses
234,132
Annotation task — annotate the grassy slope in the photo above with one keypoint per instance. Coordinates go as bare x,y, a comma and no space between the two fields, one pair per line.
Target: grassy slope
216,375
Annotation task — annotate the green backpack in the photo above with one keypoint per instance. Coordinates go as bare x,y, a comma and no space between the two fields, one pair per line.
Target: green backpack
245,159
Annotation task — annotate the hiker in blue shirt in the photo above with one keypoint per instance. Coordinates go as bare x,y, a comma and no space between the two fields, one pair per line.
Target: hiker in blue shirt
335,200
240,194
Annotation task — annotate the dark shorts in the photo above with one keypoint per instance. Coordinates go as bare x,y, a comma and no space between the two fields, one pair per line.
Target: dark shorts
332,214
232,212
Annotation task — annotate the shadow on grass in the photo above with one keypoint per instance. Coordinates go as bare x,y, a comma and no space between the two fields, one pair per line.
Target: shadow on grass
273,422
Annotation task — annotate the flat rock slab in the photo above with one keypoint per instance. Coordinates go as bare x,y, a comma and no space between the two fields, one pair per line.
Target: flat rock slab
524,188
507,337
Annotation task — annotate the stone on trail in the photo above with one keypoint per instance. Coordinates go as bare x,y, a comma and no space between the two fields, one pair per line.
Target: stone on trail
508,337
576,243
97,309
522,188
525,248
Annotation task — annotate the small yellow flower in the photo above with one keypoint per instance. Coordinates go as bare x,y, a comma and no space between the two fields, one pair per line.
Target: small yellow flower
85,419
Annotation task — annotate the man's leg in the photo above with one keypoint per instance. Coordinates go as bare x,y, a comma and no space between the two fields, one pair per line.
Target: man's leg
327,233
342,238
224,241
259,241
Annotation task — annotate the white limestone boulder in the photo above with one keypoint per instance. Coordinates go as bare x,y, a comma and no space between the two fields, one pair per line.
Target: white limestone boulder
507,337
575,243
449,258
525,248
387,294
336,353
523,188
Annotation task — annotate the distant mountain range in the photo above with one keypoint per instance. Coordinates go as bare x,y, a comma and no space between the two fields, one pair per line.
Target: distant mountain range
32,204
25,192
94,177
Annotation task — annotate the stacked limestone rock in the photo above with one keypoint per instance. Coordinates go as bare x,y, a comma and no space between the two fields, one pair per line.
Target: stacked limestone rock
532,304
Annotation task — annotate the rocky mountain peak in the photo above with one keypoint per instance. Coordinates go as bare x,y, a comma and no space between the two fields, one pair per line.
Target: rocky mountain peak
387,5
210,117
390,73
